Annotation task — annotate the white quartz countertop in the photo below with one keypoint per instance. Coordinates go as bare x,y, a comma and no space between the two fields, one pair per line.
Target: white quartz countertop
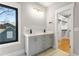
35,34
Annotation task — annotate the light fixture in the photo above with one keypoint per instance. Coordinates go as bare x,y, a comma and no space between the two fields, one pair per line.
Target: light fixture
37,9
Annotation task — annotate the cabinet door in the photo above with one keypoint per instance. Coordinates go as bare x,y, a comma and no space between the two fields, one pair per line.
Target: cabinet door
47,41
32,45
39,44
51,40
44,44
42,40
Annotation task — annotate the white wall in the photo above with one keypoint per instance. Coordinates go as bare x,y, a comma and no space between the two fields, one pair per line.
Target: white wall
51,15
76,29
15,48
32,19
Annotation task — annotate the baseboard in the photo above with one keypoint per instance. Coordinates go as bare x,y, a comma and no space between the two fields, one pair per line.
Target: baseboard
20,52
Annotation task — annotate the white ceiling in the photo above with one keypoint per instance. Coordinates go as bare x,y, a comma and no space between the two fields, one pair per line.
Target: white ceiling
46,4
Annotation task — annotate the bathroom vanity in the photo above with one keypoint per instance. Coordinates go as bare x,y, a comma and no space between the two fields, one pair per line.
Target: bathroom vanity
36,43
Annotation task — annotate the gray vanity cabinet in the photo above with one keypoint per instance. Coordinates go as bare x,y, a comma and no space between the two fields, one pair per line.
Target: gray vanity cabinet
39,43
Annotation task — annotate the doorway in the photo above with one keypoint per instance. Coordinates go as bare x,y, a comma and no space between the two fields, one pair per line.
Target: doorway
64,29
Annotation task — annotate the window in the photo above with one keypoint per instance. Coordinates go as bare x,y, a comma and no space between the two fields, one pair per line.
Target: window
8,24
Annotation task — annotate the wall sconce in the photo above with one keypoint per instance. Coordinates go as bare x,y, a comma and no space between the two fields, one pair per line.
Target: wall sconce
36,12
37,9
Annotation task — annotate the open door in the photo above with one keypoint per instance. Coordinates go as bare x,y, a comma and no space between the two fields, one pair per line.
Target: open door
64,28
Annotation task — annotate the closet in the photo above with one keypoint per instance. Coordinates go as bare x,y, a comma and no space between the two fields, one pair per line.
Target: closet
67,28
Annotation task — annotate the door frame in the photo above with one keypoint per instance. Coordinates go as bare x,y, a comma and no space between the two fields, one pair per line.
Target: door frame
69,6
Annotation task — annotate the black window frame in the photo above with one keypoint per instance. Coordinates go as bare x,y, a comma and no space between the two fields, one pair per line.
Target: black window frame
16,9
